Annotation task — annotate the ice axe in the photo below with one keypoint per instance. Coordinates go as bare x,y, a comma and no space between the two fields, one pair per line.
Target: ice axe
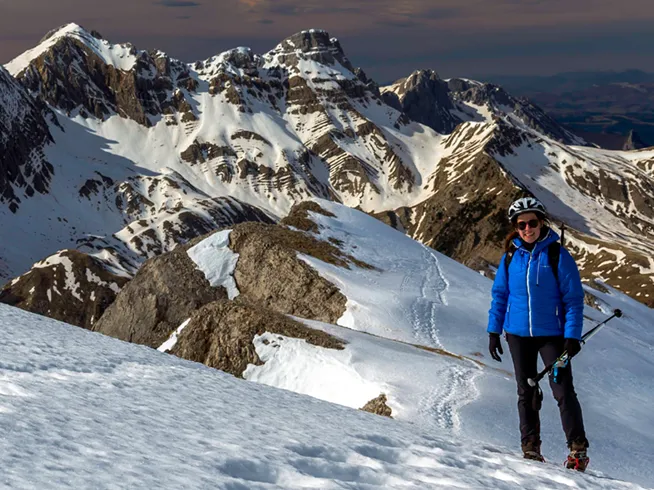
563,359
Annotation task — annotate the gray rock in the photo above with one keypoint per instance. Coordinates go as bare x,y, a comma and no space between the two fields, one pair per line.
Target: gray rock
221,334
163,294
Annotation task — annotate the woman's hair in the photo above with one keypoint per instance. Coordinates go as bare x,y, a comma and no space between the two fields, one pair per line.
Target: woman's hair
514,232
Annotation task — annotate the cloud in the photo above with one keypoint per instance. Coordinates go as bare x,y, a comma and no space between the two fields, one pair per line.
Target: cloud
178,3
266,21
402,23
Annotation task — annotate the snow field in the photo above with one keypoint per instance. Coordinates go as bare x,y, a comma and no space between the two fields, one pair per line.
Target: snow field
79,410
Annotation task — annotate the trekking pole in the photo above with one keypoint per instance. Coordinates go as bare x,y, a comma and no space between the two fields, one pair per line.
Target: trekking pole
564,358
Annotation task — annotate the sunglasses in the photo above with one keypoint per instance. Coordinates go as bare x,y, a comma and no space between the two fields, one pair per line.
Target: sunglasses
532,223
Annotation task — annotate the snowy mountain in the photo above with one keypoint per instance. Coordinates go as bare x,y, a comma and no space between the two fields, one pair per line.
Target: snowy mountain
444,104
409,325
148,152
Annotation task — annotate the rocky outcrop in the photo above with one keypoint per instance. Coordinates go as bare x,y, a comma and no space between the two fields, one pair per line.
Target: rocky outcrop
287,284
378,406
425,97
269,275
70,286
221,335
165,292
24,133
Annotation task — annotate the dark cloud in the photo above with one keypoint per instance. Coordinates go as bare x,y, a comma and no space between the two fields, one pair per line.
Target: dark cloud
266,21
178,3
401,23
441,13
183,17
295,10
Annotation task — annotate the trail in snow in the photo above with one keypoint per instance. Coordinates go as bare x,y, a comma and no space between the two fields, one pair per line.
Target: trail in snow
456,387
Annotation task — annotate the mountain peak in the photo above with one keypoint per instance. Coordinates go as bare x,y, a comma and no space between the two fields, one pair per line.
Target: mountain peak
311,40
122,56
314,45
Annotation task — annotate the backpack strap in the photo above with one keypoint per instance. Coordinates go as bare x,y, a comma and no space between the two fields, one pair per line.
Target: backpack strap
507,260
554,254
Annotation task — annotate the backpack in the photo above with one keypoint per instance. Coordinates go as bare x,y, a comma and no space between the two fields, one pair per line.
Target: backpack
553,254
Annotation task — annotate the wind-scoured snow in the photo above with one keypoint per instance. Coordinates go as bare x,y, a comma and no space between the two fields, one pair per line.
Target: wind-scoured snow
216,261
80,410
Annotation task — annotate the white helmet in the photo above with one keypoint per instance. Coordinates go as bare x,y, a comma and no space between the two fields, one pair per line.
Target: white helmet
526,205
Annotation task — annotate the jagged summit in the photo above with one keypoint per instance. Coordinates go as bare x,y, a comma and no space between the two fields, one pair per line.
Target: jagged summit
314,44
443,104
122,56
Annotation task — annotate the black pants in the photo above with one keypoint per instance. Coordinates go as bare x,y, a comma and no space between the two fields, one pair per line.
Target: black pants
524,351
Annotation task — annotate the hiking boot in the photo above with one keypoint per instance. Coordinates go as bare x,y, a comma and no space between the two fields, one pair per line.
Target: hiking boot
531,450
578,458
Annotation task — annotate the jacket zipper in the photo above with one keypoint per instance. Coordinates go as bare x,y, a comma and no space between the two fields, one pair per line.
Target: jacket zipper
531,333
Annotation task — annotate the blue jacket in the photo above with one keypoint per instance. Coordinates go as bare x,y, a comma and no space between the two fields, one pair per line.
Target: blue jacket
529,302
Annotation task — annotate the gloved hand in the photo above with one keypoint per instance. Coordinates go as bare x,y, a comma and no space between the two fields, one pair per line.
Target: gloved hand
495,346
572,347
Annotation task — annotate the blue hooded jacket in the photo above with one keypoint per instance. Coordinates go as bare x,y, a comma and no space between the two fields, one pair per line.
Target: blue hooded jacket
529,302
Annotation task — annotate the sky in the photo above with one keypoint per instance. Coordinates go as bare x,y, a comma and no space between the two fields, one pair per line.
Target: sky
387,38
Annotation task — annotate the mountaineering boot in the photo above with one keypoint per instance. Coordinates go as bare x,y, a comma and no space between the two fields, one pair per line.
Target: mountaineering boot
531,450
578,458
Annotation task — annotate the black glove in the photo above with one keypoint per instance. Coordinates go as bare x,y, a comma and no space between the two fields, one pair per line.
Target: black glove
572,347
495,346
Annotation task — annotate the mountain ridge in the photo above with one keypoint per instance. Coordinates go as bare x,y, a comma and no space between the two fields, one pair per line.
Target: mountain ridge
295,123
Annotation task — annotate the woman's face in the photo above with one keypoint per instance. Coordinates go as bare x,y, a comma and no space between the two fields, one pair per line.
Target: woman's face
529,226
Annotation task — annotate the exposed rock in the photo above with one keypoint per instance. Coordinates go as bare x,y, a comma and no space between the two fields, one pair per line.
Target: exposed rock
221,335
378,406
24,134
69,286
71,74
165,292
270,274
425,98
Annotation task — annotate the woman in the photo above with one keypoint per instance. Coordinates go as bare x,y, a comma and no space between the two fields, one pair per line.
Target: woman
540,313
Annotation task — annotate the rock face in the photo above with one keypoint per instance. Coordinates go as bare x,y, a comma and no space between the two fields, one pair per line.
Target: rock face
221,334
165,292
426,98
24,133
76,286
268,274
81,72
69,286
272,281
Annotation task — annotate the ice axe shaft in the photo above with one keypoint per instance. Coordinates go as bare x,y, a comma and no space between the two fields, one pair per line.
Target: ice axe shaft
563,358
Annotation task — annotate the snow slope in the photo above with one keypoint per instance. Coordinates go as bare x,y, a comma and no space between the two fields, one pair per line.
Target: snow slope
79,410
418,296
